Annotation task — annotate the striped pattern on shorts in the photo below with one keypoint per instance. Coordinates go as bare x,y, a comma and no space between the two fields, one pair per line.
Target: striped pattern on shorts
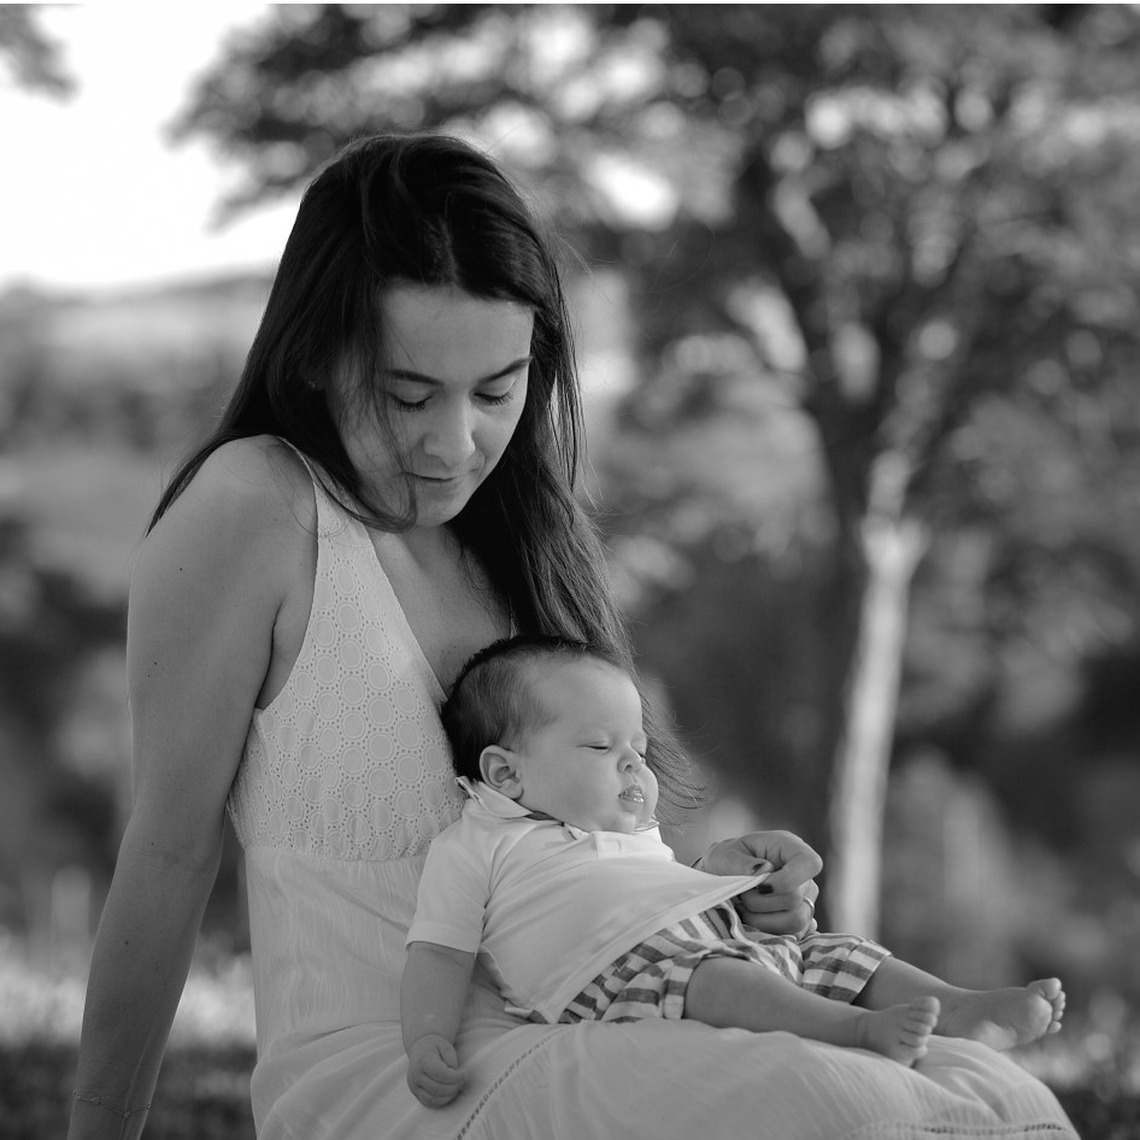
651,979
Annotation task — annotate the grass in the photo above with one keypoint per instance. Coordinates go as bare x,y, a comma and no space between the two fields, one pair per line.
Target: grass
202,1093
203,1090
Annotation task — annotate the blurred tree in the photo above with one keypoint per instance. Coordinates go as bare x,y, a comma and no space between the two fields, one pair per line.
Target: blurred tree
29,54
144,371
912,226
49,626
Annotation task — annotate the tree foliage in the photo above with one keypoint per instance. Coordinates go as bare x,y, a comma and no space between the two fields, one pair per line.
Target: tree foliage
29,54
910,229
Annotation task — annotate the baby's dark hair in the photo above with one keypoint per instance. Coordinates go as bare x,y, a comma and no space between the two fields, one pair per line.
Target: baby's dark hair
492,702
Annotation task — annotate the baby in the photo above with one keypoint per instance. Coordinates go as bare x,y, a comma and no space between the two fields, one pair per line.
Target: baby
557,877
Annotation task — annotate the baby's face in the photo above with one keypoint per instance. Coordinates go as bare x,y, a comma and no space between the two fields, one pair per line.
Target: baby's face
587,766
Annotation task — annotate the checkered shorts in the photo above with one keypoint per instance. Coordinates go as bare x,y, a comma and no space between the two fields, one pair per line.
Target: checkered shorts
651,979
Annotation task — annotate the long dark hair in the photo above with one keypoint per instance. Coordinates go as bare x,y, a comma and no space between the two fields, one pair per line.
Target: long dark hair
432,211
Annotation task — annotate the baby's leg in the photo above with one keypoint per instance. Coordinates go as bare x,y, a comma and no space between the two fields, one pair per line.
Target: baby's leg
1000,1018
733,992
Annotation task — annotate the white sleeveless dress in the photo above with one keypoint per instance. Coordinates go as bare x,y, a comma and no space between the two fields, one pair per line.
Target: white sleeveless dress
344,781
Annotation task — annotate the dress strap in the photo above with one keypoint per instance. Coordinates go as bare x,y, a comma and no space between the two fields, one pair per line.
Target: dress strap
331,516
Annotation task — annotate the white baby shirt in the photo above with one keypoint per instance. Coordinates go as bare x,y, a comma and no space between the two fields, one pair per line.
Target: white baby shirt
547,905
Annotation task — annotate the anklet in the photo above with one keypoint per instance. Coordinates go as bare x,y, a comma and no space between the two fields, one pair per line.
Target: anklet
101,1102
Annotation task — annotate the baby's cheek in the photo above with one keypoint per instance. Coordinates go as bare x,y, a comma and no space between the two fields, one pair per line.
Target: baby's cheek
649,808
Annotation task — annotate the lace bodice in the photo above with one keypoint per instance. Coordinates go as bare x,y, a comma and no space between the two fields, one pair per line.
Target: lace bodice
349,760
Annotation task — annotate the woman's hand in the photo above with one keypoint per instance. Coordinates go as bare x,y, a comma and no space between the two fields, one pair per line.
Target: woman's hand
785,902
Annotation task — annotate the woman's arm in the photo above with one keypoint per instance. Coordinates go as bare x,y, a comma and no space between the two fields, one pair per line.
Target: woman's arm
432,996
204,598
139,966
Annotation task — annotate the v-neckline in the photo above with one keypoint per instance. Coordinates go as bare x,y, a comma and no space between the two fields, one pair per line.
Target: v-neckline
363,534
401,615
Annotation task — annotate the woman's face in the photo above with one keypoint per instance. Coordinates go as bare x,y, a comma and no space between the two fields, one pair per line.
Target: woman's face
453,383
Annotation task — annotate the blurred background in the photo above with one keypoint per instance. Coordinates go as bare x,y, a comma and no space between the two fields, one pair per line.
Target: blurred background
857,297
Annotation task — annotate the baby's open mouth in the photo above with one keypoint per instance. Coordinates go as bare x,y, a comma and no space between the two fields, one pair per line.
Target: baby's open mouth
633,794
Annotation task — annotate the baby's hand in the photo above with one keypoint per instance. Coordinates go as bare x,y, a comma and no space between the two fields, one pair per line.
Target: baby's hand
434,1074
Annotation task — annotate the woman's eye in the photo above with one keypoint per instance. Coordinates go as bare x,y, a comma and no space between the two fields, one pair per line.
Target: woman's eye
495,399
490,399
408,405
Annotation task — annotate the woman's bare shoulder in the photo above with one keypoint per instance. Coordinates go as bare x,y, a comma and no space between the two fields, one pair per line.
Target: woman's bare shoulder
249,508
256,487
260,475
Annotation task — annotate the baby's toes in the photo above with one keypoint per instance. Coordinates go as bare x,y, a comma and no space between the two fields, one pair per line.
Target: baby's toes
925,1011
921,1018
1051,991
1048,988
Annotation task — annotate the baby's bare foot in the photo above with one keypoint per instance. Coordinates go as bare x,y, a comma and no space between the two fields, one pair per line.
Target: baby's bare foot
901,1032
1002,1019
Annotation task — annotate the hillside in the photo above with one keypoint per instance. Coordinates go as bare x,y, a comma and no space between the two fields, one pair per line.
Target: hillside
98,395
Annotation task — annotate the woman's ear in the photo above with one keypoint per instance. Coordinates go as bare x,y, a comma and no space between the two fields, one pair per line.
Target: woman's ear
498,770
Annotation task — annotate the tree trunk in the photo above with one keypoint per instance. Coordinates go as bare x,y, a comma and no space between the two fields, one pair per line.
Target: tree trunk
891,548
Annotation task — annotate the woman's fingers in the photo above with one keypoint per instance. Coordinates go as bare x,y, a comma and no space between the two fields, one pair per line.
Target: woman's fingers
794,862
791,912
785,902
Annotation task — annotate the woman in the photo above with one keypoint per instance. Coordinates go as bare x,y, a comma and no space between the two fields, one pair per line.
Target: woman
388,491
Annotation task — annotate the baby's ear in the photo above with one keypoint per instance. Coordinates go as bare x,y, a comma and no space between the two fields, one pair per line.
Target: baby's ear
497,769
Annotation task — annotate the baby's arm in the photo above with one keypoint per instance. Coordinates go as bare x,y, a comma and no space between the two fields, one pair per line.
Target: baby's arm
432,996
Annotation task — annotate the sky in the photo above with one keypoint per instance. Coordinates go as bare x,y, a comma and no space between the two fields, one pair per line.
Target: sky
93,196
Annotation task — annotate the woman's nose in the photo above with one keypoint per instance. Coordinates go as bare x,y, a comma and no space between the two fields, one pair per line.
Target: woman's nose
451,437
